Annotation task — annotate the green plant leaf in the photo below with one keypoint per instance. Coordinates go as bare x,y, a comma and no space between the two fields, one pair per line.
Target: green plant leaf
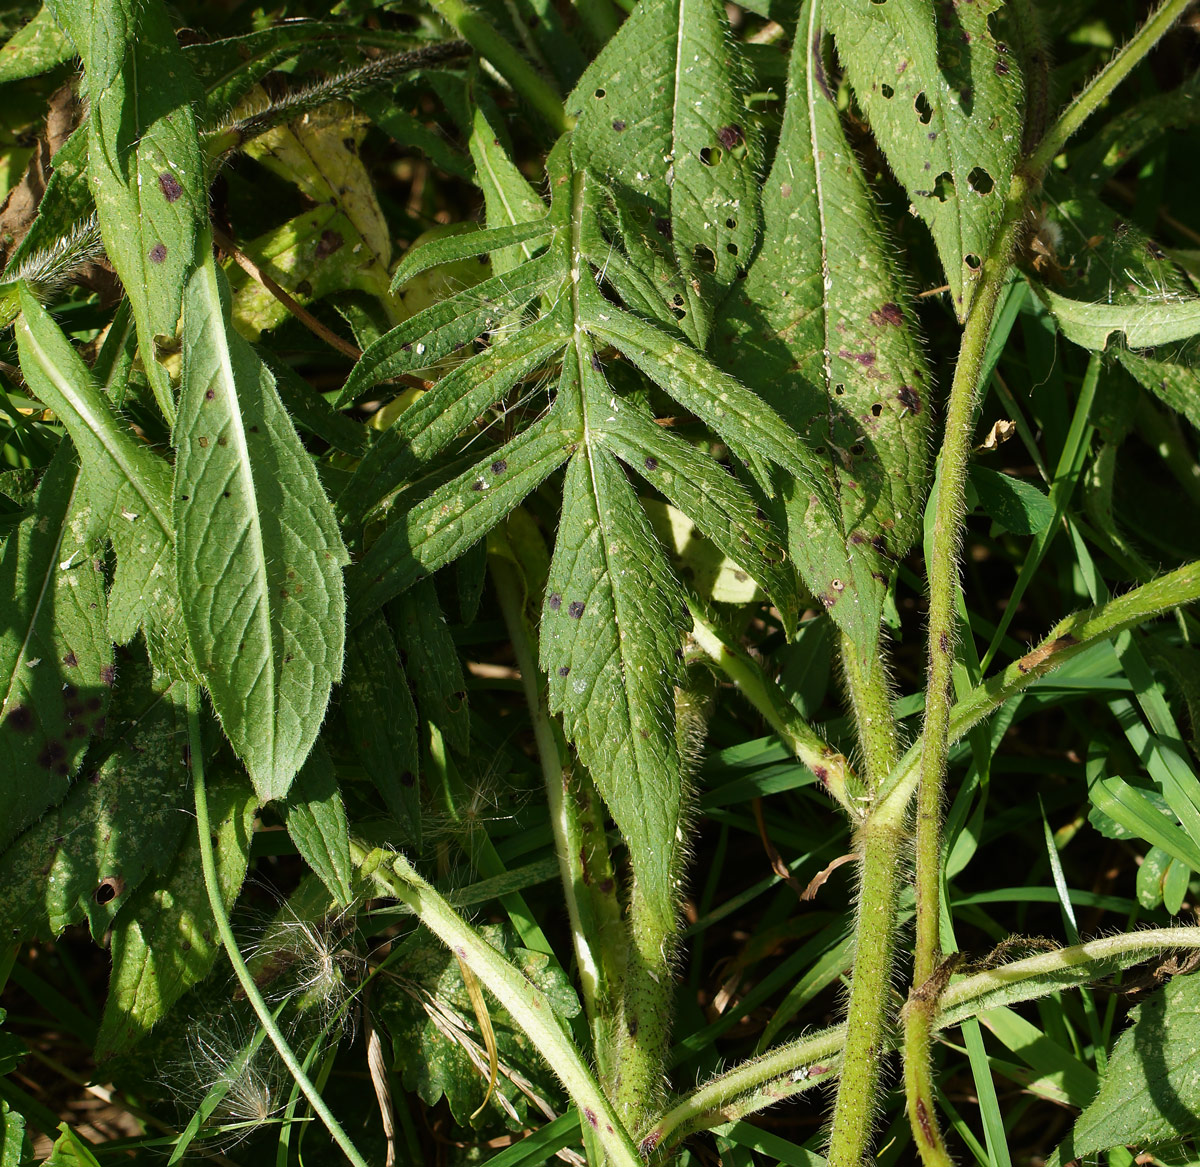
144,159
822,327
56,659
259,554
1172,374
382,720
436,1045
164,939
1127,806
15,1145
660,116
316,821
1015,505
34,49
128,487
83,859
943,97
1149,1096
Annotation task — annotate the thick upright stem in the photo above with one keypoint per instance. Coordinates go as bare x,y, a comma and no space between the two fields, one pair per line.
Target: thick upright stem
870,700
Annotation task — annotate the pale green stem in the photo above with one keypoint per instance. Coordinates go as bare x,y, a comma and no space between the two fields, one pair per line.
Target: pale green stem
1102,85
830,766
592,904
526,1003
753,1085
870,701
481,34
217,903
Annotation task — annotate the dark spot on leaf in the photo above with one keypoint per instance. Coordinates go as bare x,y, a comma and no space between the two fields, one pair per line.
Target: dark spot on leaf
209,394
477,485
944,642
499,466
887,91
52,755
876,409
663,227
564,670
909,398
618,125
858,538
158,253
889,313
575,609
596,364
329,242
644,734
71,660
203,442
822,775
20,718
924,1123
731,248
606,886
839,390
599,94
304,288
555,601
632,1027
1002,68
169,185
108,674
590,1115
730,137
110,887
880,544
651,463
407,778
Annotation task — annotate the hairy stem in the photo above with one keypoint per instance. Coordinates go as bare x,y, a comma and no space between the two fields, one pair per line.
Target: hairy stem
481,34
216,902
868,1031
525,1002
585,867
830,766
870,701
1097,91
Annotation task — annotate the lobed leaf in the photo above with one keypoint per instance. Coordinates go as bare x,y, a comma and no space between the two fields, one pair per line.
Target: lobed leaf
661,121
821,328
259,556
56,658
943,97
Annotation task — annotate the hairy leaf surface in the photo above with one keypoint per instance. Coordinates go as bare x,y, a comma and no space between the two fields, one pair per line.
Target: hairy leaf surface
259,554
316,822
943,97
821,326
662,122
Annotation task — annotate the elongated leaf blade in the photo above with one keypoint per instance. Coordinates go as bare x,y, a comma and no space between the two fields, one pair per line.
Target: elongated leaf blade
822,329
56,659
943,97
610,644
316,821
164,939
259,554
661,118
144,159
129,489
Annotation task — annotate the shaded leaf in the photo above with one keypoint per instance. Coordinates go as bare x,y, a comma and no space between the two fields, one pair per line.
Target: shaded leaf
259,554
1018,506
164,939
1150,1094
34,49
316,821
943,97
56,659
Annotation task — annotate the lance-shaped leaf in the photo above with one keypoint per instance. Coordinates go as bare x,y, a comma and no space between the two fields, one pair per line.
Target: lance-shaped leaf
56,660
259,554
610,644
943,97
144,159
661,117
164,939
34,49
129,489
821,328
316,821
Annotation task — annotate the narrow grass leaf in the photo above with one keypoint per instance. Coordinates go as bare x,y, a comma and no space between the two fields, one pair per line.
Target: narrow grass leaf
259,554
